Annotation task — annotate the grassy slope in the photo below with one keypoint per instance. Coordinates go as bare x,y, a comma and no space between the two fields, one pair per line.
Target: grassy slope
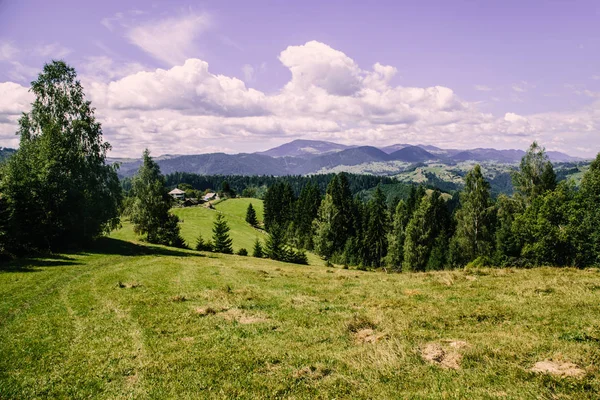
67,330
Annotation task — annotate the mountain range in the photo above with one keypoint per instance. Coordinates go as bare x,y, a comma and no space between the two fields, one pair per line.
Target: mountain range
301,157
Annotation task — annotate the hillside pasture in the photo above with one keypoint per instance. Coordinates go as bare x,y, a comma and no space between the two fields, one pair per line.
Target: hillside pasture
130,320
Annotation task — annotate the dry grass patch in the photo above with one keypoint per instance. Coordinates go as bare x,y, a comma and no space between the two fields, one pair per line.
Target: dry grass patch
242,317
178,299
558,368
130,285
445,354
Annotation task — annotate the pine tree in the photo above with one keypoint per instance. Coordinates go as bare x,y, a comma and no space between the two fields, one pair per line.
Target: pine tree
257,251
150,206
221,240
375,240
474,232
202,244
275,244
251,215
57,185
306,210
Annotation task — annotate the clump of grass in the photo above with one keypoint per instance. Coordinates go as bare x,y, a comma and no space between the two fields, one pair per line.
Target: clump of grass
360,322
178,299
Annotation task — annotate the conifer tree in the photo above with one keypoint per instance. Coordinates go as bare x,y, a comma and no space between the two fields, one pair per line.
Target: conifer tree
150,206
375,240
588,218
257,250
221,240
251,215
275,244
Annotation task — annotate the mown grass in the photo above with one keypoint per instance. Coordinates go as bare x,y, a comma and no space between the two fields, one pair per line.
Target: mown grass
128,320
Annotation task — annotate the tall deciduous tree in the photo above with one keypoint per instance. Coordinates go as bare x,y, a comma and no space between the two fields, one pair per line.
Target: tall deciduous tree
535,175
222,243
474,230
58,187
398,235
150,206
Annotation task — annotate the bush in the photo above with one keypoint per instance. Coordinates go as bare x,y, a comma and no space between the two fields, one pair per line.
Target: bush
242,252
480,262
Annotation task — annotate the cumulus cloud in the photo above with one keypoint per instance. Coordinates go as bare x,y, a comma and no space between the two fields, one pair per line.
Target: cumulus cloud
189,109
170,40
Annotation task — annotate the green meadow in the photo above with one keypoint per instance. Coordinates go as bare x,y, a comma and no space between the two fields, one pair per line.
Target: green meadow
132,320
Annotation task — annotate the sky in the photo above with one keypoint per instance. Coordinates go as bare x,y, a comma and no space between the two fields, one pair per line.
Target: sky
189,77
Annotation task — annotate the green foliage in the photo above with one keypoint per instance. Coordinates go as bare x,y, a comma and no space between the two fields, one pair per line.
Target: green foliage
535,175
202,244
375,239
475,218
242,252
257,250
251,215
428,228
276,248
150,206
57,186
398,235
278,205
222,243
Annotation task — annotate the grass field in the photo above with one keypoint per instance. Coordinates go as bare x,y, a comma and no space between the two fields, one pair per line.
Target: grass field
127,320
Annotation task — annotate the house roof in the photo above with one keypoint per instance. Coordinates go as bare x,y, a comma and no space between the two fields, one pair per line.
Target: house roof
210,195
176,191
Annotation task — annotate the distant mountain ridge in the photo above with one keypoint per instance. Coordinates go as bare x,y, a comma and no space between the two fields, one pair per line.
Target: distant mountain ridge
302,157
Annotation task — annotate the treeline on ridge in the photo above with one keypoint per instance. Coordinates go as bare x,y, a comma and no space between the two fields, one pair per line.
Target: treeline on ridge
545,222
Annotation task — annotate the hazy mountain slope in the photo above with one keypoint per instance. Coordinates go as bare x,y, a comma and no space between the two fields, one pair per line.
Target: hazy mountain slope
304,148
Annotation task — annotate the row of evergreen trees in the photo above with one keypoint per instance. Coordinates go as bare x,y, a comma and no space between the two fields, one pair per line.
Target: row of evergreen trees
542,223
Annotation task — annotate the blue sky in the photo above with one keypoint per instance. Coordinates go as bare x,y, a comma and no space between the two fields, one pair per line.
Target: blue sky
236,76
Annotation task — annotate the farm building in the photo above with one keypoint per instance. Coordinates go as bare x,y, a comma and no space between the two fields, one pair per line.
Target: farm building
177,194
210,196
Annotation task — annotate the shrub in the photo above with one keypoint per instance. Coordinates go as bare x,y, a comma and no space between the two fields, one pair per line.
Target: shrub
242,252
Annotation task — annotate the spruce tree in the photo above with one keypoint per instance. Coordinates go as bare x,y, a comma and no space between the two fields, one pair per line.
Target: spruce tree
221,240
306,210
251,215
257,250
58,187
375,240
474,231
150,206
275,244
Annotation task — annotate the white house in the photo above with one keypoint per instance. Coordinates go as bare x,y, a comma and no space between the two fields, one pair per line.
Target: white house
177,194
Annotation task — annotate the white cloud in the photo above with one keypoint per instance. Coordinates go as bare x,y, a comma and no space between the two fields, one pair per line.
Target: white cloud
189,109
522,87
8,51
170,40
51,50
482,88
248,71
